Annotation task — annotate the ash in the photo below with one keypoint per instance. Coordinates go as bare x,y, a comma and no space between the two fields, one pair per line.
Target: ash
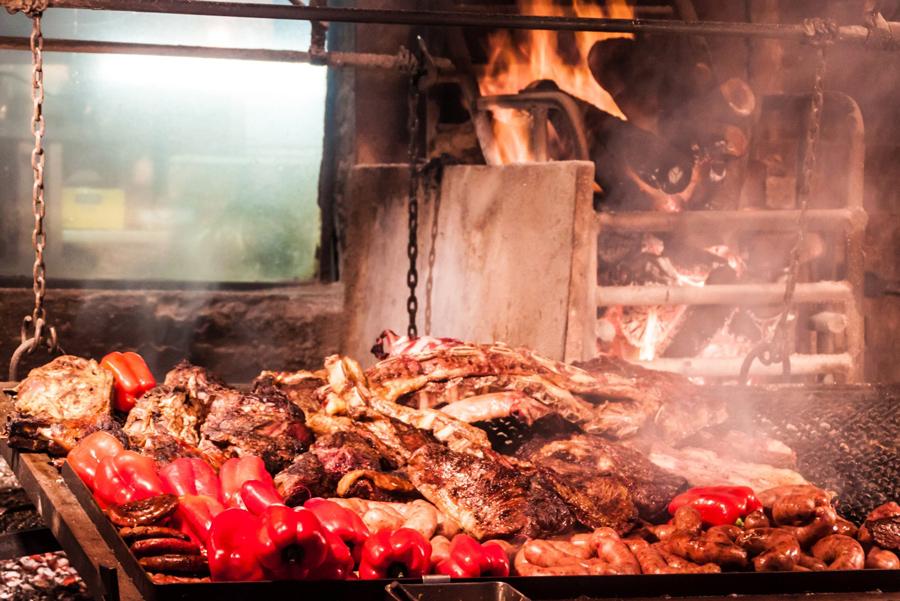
36,577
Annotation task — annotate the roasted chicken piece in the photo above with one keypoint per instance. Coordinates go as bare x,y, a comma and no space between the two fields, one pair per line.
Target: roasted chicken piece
60,403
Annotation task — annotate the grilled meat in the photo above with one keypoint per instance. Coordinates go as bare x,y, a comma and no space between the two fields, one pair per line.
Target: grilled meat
236,424
670,408
487,498
734,444
269,426
303,479
393,440
298,386
706,468
604,482
165,424
60,403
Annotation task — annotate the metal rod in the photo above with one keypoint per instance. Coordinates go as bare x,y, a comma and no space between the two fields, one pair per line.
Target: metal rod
727,367
332,59
852,219
853,33
722,294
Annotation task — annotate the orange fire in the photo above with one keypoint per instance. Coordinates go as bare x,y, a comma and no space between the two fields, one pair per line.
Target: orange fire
516,60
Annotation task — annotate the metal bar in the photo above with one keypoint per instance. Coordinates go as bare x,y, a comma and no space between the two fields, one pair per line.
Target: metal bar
730,367
27,542
722,294
850,219
332,59
854,33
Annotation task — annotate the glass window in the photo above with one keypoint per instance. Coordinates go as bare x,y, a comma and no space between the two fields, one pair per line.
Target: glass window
165,168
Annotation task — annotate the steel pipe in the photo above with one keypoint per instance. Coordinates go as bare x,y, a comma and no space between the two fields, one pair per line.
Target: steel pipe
722,294
400,62
852,219
853,33
801,365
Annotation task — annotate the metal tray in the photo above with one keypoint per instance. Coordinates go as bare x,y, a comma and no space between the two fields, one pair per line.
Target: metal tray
514,589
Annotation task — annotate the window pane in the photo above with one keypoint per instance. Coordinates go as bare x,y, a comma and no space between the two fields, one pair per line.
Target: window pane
163,167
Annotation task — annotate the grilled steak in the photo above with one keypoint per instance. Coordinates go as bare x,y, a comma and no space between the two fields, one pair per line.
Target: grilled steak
165,424
60,403
298,386
488,499
605,483
268,426
237,423
393,440
344,452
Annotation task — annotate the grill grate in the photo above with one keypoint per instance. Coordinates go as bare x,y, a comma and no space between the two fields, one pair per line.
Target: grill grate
846,438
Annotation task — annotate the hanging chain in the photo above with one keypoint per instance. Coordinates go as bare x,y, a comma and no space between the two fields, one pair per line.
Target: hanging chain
37,321
769,352
412,247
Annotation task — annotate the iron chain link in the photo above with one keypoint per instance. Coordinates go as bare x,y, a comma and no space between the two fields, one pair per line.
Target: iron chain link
412,247
40,331
774,350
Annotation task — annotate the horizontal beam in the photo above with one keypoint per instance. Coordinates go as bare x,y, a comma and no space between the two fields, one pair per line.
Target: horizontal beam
332,59
483,20
755,220
729,367
722,294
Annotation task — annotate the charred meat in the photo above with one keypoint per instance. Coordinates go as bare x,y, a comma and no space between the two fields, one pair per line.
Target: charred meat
487,498
165,424
60,403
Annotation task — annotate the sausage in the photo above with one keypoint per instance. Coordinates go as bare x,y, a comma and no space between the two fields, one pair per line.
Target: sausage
422,517
611,550
809,563
523,567
768,497
570,548
680,565
440,549
508,548
176,564
147,547
885,532
144,512
651,560
141,532
776,550
583,540
821,525
845,527
173,579
756,519
840,552
882,559
687,519
662,531
796,509
726,533
701,550
545,554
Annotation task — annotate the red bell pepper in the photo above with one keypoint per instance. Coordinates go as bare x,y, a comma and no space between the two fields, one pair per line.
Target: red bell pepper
85,458
233,549
132,378
235,472
189,476
292,543
338,564
195,515
125,477
341,521
257,496
718,505
401,553
469,559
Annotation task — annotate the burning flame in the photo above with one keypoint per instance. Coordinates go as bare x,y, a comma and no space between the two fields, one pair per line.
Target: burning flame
651,336
516,61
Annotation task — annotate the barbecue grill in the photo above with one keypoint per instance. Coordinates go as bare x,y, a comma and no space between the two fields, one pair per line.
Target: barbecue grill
806,366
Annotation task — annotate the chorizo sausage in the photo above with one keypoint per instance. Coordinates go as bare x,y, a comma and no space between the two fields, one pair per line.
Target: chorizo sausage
882,559
140,532
776,550
176,564
147,547
144,512
840,552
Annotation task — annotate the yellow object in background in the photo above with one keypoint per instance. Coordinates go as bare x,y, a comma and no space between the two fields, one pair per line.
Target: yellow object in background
93,208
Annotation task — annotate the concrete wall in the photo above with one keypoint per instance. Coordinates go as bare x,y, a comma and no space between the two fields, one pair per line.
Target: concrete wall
234,333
